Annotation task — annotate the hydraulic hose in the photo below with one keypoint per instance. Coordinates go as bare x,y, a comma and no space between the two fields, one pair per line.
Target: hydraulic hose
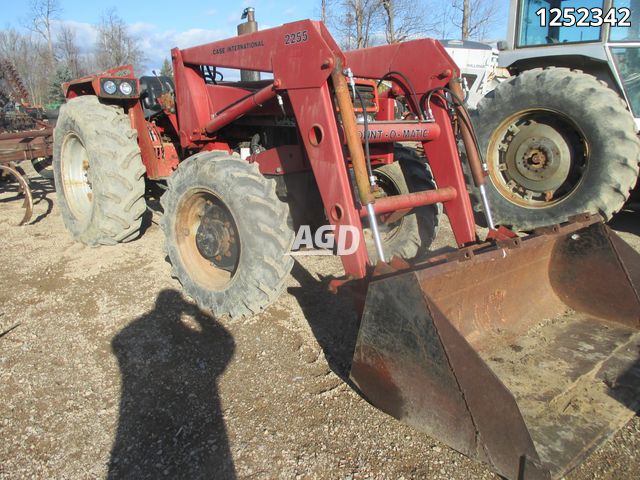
472,148
347,113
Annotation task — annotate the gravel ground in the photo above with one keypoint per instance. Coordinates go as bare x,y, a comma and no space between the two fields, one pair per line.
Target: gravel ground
107,370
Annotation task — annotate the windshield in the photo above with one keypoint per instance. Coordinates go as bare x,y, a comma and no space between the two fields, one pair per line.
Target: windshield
531,32
627,34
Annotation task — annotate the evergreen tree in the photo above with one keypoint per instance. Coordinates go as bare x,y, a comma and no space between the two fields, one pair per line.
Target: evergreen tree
63,74
166,69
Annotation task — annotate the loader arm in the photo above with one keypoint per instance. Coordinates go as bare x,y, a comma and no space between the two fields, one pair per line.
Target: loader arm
302,56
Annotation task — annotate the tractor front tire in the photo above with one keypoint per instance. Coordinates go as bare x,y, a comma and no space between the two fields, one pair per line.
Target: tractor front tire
227,234
410,236
98,172
557,142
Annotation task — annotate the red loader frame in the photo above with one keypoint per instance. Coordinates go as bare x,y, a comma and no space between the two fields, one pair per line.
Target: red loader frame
301,57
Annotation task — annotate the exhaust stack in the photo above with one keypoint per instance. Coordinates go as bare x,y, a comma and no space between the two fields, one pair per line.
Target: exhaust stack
249,26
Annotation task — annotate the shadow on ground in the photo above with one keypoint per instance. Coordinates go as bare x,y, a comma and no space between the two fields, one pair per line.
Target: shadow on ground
626,221
154,211
171,422
332,319
41,189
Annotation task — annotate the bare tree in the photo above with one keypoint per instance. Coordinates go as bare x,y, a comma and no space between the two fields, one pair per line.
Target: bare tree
364,23
68,51
441,15
29,55
325,7
357,22
466,13
116,45
10,40
403,19
474,17
41,15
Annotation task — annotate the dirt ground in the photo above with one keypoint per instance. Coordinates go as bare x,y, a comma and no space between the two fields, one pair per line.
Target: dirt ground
107,370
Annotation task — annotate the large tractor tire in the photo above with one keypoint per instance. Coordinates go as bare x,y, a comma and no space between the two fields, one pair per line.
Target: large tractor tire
98,172
557,142
227,234
411,235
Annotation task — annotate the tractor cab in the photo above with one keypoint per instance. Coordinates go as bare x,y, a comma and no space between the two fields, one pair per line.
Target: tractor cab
582,34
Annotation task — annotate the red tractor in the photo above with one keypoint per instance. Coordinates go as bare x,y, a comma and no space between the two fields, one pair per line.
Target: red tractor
483,348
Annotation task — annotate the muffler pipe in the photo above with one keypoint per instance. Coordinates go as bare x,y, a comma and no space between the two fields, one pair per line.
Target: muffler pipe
249,26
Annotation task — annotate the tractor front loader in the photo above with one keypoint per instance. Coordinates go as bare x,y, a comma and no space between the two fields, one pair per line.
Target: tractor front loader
520,352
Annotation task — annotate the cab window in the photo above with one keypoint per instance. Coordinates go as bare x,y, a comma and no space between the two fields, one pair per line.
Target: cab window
532,32
627,34
627,62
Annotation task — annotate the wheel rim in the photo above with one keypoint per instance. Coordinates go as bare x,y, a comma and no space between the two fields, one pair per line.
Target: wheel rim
76,177
537,158
207,240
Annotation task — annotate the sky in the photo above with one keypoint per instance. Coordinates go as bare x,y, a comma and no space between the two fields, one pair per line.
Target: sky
162,25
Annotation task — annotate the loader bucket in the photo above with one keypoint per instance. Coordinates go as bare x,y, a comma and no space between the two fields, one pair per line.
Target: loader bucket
522,354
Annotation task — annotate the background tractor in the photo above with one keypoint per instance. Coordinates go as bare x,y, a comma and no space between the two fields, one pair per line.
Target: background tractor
558,135
442,342
478,63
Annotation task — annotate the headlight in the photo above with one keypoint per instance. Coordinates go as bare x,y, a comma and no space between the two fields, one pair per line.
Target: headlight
126,88
110,87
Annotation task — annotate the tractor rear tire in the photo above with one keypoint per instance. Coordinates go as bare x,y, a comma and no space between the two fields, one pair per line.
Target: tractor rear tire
557,143
98,172
411,236
227,234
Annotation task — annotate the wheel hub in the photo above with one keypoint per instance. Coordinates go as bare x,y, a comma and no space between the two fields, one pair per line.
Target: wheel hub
215,237
536,160
539,160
